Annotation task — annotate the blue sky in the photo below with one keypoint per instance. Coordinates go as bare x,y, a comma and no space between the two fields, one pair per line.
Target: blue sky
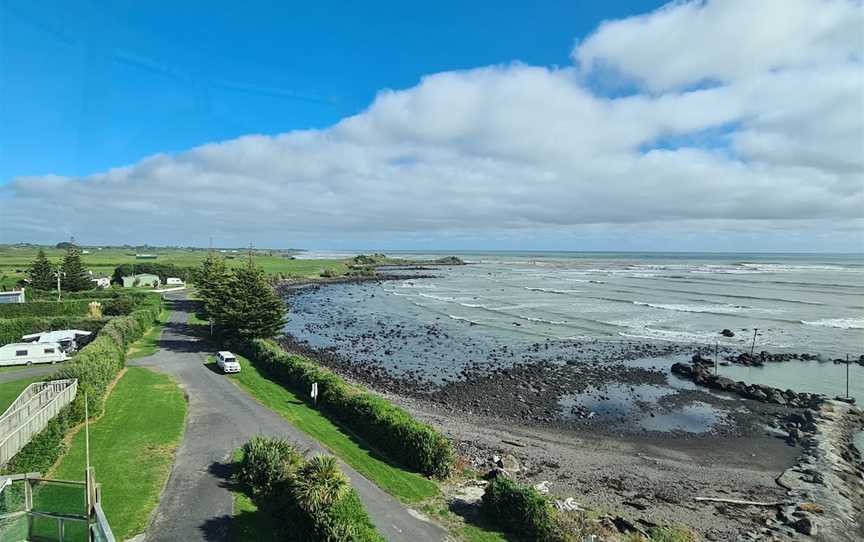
581,125
90,85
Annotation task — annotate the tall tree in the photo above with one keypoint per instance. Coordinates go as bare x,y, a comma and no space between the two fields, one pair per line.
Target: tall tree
211,279
248,307
74,276
41,272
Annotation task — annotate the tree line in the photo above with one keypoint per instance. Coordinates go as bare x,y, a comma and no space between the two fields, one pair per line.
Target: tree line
239,301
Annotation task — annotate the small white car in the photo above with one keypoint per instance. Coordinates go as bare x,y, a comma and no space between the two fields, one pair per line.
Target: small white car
227,362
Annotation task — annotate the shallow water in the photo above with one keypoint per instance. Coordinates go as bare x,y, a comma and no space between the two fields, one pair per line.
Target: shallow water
811,304
638,406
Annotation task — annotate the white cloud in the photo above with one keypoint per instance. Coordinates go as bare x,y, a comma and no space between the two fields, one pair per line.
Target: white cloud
525,148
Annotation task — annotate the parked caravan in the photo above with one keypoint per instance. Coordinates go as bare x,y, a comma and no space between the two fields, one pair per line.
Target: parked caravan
30,353
70,340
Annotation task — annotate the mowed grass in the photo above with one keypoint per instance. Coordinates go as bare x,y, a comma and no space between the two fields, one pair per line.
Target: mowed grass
410,487
148,344
9,391
132,448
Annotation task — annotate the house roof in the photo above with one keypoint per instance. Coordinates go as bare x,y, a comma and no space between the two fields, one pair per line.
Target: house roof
141,276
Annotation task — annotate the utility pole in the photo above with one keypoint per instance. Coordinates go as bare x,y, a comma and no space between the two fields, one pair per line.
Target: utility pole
753,346
715,358
250,254
847,376
59,274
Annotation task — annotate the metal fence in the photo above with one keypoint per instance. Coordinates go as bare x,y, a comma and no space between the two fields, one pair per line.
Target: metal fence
31,412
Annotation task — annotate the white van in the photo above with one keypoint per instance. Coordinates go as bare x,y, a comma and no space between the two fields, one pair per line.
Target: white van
227,362
29,353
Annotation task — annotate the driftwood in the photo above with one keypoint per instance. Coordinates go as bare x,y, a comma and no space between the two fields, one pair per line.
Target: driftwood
737,501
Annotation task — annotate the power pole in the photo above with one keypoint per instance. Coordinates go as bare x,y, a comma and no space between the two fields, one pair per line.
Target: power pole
753,346
58,274
715,358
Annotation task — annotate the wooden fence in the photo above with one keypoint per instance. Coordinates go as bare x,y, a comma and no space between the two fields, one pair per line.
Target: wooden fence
31,412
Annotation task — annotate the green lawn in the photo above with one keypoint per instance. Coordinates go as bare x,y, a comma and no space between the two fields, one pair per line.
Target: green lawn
148,344
407,486
9,391
131,448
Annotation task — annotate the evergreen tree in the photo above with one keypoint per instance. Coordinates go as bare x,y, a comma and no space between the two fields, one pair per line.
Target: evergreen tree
211,279
41,272
248,307
74,275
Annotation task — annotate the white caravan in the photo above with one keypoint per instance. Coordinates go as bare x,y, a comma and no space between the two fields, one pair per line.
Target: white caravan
29,353
69,339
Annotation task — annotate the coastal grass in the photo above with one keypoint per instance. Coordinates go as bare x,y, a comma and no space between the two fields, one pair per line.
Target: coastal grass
9,391
408,487
131,449
148,344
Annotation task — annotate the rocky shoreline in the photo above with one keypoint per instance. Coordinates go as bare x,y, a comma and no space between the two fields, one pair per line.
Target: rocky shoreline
510,406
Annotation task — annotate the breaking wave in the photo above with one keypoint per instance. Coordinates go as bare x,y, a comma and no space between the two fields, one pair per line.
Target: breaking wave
840,323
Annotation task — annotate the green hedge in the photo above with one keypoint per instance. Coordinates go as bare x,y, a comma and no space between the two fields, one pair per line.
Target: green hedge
521,509
310,499
95,366
11,330
383,425
75,307
98,294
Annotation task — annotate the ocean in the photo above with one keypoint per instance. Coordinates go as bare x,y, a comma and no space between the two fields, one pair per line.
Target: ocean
513,300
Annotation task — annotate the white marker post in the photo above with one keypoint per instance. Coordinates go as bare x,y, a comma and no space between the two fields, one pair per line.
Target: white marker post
314,393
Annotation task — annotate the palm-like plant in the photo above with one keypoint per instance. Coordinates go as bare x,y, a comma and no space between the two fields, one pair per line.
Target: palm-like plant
320,484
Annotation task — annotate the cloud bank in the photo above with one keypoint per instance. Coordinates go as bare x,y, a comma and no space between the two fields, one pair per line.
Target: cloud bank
735,114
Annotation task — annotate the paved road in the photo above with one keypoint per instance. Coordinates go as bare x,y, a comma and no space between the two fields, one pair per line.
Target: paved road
196,503
35,370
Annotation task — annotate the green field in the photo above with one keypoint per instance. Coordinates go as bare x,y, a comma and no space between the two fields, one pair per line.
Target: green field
407,486
15,260
131,448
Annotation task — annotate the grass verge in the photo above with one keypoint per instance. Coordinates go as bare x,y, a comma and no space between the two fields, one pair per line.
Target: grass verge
407,486
149,343
131,449
9,391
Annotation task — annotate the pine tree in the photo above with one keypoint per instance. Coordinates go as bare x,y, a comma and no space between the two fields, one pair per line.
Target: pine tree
41,272
249,307
211,279
74,276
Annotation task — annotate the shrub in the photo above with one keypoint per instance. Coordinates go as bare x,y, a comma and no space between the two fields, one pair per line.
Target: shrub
77,307
383,425
266,462
521,509
118,306
310,500
327,273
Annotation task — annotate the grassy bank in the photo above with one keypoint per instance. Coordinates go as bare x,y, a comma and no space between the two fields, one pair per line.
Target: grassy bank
131,449
407,486
149,343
